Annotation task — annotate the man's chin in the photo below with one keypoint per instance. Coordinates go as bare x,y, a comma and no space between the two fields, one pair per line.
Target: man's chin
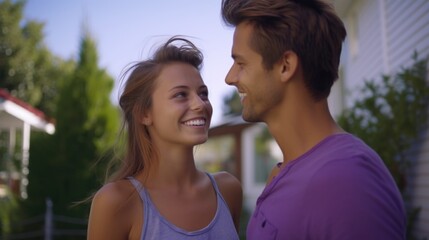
249,118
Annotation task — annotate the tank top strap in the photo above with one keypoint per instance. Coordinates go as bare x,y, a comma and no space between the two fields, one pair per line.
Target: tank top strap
213,181
140,189
216,187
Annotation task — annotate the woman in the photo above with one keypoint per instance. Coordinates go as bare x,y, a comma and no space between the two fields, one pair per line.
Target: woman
158,193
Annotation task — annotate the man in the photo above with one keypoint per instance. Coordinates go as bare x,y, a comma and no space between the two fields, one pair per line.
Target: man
330,185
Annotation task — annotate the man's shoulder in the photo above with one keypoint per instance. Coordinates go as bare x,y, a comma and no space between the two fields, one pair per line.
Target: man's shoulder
348,146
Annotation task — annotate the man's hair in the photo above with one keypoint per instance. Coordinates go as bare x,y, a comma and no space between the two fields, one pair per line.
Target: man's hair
310,28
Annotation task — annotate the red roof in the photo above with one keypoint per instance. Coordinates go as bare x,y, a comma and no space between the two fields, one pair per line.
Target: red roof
7,96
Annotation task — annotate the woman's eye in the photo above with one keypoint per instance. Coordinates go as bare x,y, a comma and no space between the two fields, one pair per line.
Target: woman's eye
204,94
180,95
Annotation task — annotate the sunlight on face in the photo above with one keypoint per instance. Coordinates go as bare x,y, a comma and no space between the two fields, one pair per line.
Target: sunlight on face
181,110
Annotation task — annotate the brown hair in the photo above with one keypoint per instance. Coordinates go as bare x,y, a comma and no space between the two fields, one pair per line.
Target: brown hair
310,28
136,99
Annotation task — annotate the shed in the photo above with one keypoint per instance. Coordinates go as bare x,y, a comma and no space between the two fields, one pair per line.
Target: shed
17,120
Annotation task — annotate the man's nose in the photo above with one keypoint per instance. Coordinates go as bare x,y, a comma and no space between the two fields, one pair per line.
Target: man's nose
231,76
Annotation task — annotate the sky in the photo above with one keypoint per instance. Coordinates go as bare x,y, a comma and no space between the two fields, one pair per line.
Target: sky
126,31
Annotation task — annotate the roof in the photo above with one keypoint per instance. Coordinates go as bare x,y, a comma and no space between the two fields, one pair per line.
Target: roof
14,112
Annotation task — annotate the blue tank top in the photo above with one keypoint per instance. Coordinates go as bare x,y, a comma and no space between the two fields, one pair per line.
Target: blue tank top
155,226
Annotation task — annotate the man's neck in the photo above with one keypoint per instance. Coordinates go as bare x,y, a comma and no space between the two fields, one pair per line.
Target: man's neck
300,128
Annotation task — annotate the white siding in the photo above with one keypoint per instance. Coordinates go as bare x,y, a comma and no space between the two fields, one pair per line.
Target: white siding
387,34
408,30
367,63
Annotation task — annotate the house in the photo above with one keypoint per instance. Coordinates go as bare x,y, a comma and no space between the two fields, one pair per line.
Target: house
17,119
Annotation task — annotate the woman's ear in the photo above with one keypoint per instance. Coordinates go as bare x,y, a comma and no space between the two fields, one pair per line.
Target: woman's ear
288,65
146,120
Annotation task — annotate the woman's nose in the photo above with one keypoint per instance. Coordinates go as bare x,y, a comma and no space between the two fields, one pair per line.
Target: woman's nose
197,103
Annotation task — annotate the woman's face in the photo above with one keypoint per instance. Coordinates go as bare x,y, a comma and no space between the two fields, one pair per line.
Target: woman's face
181,110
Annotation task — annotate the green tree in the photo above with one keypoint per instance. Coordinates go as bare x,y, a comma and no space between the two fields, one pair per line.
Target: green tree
87,124
14,48
28,70
390,117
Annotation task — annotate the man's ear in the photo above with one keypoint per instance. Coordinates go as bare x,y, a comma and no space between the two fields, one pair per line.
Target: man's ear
288,65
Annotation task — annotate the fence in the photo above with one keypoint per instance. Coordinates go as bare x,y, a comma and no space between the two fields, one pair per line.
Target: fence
46,227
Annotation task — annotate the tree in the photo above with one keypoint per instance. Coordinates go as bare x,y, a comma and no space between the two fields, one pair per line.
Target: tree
87,124
28,70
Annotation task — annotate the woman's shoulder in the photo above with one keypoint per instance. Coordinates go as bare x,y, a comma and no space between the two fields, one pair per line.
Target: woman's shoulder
113,195
226,181
229,187
114,211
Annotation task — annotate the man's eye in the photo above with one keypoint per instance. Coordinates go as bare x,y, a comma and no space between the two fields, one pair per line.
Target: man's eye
239,64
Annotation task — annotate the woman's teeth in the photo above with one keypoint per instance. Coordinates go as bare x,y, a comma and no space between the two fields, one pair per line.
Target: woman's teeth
199,122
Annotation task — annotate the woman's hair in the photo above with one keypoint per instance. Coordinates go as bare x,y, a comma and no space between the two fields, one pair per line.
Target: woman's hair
136,100
310,28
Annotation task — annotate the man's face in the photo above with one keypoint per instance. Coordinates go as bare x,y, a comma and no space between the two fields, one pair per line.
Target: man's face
258,89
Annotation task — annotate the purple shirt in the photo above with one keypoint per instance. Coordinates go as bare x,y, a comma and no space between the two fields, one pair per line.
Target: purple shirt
340,189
